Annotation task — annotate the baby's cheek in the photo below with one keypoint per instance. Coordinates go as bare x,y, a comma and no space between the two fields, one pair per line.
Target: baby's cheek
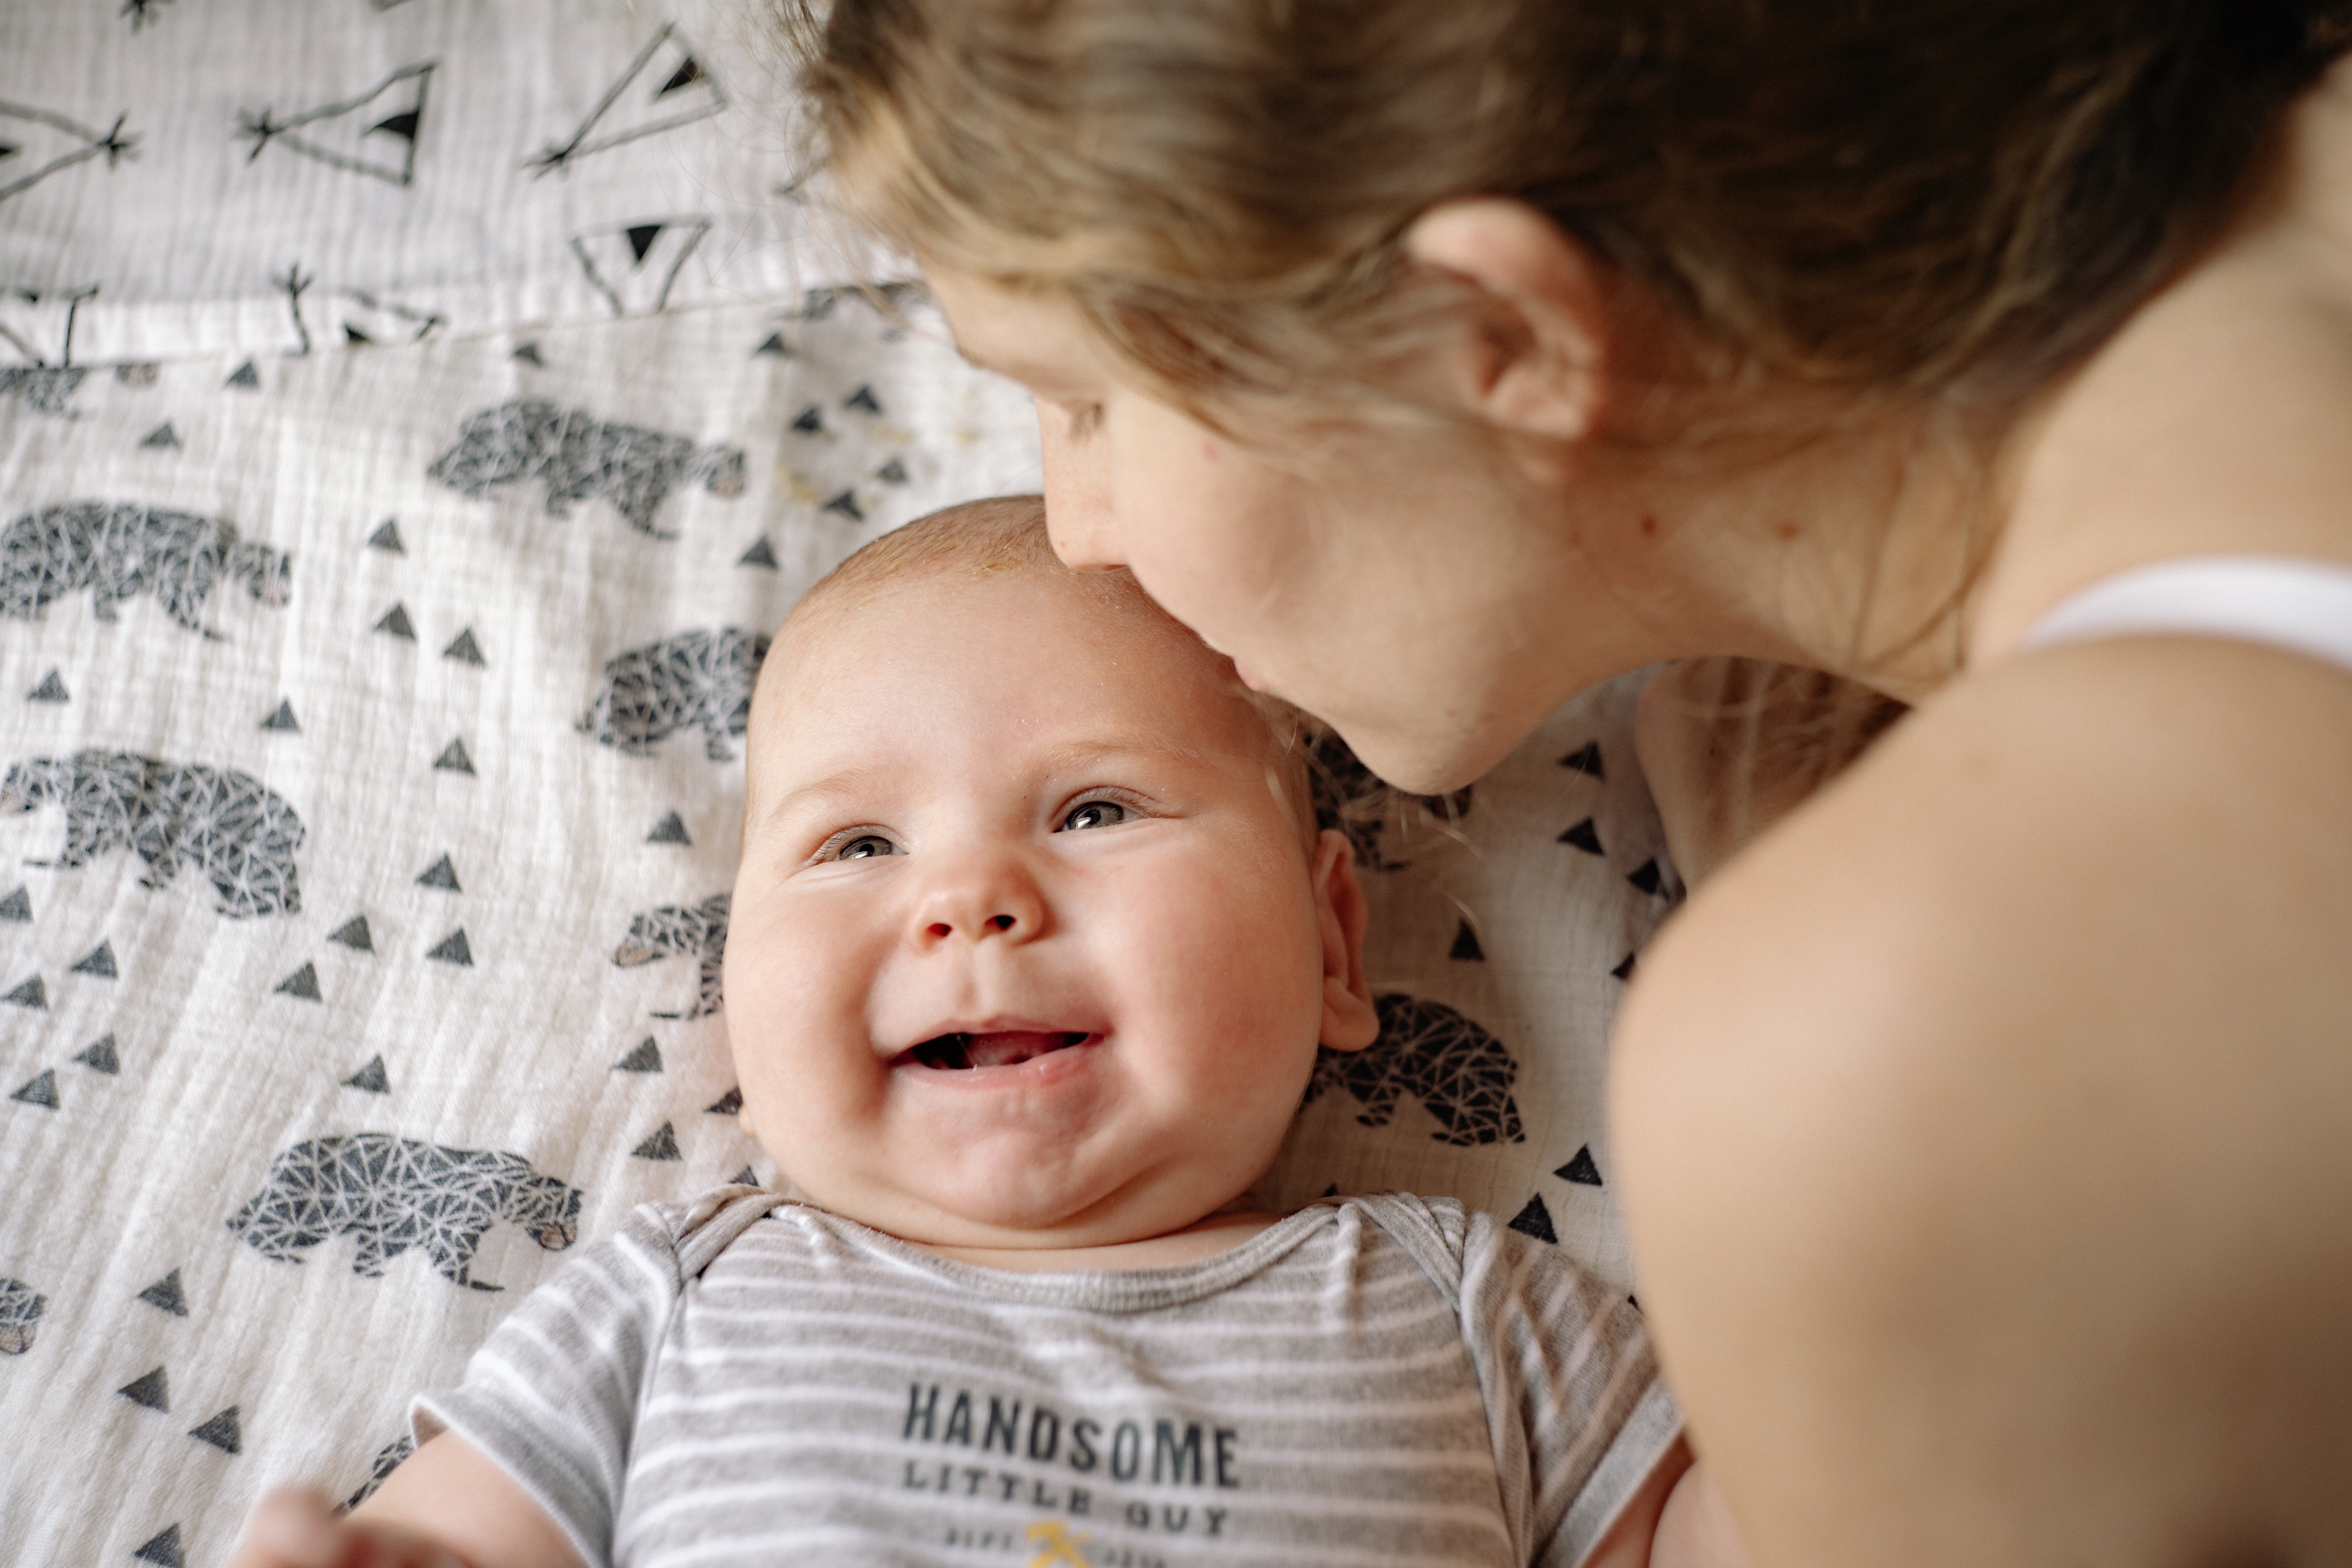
767,993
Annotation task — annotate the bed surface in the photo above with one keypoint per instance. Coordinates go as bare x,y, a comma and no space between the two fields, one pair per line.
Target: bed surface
414,415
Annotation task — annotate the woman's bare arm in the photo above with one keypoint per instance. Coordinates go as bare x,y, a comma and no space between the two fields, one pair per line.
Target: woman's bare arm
1677,1519
1982,1130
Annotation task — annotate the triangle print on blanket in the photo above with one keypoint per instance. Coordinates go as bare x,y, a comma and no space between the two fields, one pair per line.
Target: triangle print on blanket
351,317
40,324
633,264
666,86
36,143
374,133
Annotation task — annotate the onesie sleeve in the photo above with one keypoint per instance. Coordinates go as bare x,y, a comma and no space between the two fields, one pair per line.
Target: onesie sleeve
551,1396
1578,1413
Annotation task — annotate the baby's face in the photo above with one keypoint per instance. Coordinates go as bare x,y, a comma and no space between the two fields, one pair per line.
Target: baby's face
1026,947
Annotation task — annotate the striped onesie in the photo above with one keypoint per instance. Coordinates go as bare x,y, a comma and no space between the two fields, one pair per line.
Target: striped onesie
1370,1381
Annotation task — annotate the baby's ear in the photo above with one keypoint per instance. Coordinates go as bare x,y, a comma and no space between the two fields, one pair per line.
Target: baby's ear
1349,1023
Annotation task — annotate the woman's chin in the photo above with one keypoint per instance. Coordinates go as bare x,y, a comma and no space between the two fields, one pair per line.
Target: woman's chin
1424,762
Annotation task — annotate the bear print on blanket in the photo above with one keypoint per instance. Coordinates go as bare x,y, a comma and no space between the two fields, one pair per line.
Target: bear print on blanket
581,458
45,389
698,679
20,1313
394,1194
1457,1069
235,830
119,549
673,929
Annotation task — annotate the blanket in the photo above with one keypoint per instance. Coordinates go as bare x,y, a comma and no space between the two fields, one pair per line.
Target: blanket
415,417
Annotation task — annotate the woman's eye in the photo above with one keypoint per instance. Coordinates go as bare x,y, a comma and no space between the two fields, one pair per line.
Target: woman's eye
1095,813
866,846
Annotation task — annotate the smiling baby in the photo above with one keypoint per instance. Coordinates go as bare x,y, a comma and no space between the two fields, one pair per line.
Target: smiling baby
1033,946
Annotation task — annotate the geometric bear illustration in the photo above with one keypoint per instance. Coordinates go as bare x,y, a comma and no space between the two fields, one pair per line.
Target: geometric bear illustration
673,929
1352,798
394,1194
45,389
1428,1050
118,549
387,1460
581,458
695,678
20,1309
237,833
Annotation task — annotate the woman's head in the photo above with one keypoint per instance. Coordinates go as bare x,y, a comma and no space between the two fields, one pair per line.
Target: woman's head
1894,197
1620,247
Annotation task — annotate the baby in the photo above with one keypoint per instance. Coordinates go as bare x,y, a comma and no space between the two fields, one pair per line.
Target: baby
1033,944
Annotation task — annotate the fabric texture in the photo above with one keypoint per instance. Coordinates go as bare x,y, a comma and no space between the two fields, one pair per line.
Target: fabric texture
1371,1380
370,731
276,177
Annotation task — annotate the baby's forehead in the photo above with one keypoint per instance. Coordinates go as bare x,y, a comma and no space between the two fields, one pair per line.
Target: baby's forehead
1075,631
1073,642
1048,612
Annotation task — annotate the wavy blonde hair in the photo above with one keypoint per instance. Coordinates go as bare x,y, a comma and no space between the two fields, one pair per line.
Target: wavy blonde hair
1924,196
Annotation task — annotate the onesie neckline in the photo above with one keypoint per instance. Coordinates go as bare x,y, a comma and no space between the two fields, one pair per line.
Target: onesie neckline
1091,1290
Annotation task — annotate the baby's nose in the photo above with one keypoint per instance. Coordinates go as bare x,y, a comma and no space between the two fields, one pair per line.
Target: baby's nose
998,903
1006,923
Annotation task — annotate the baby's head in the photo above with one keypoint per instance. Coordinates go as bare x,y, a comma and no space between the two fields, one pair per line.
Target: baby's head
1034,939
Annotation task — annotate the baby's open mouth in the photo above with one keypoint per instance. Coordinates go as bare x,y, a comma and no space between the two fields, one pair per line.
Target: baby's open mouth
1010,1047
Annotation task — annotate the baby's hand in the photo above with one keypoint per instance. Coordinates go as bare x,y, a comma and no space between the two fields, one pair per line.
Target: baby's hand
302,1529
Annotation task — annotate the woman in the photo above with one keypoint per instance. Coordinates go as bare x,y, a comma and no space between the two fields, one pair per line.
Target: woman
1985,1126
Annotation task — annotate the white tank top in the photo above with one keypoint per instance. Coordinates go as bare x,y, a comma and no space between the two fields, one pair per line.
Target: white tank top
2304,607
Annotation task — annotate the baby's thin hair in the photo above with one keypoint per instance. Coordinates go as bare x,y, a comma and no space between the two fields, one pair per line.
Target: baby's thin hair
1008,534
1003,533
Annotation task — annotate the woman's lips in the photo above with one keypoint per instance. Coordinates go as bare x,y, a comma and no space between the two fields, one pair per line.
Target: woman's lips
997,1049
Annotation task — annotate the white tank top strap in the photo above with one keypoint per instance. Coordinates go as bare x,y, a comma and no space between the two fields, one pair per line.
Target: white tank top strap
2304,607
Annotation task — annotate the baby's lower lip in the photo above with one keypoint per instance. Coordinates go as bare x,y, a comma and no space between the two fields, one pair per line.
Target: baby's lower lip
1247,676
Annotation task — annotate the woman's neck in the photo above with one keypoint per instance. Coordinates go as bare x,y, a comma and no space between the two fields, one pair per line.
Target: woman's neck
2212,422
1851,549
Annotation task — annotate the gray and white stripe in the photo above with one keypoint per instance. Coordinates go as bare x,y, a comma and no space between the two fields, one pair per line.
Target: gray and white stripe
1371,1381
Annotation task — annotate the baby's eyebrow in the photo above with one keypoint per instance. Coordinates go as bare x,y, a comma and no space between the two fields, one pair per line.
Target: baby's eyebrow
847,784
1074,755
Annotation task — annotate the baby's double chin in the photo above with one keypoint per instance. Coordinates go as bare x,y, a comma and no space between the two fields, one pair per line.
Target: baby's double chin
1066,1196
1036,1228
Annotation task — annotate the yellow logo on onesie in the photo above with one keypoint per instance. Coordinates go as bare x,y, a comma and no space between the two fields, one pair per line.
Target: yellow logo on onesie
1061,1546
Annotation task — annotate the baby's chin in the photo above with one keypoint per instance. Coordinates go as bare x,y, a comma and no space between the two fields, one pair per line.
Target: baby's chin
1016,1216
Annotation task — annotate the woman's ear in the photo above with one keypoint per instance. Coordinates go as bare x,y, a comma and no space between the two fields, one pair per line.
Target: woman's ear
1532,360
1350,1023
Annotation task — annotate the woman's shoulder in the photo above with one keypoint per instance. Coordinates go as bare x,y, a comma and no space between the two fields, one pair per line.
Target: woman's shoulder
2136,840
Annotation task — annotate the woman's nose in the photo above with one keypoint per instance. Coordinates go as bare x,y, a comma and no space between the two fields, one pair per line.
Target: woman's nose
980,902
1078,496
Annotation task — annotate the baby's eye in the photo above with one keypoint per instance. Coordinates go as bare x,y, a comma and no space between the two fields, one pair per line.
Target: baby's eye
866,846
1084,418
1094,813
